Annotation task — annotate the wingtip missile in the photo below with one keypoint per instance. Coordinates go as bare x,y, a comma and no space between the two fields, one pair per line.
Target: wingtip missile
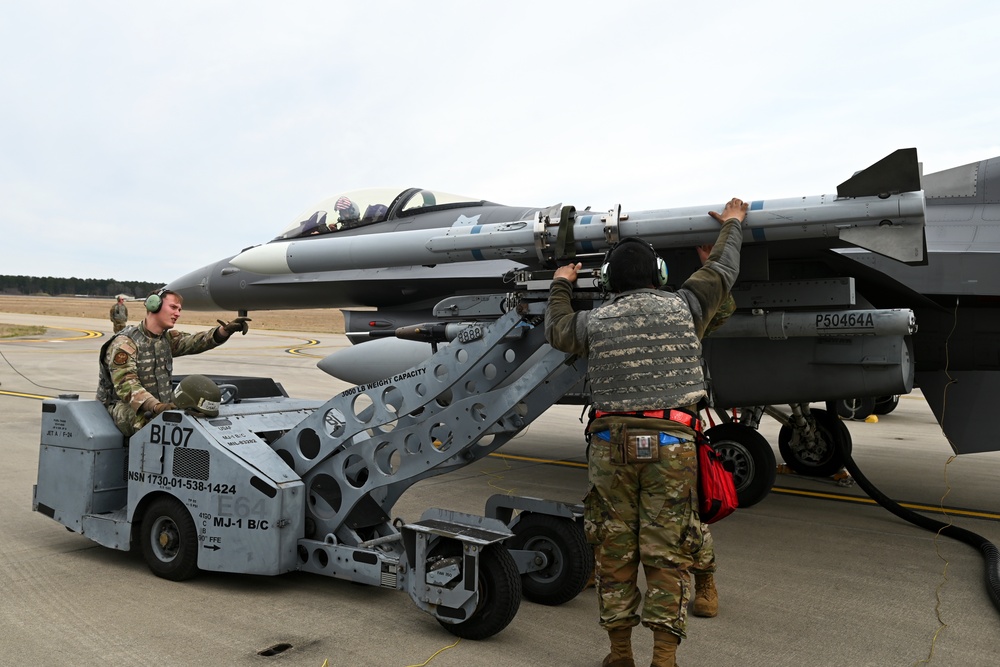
880,208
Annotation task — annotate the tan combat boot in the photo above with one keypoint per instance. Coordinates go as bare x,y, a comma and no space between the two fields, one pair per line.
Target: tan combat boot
621,649
664,649
706,598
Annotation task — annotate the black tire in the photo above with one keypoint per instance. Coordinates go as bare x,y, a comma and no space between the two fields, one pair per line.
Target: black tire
858,409
822,461
748,455
169,540
499,596
571,559
886,404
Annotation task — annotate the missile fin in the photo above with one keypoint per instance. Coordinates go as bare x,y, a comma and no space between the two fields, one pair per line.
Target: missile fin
904,243
897,172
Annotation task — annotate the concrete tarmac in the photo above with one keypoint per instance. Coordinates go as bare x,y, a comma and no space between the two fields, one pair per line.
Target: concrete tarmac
809,576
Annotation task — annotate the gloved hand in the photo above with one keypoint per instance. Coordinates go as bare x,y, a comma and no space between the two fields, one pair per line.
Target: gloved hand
153,407
227,329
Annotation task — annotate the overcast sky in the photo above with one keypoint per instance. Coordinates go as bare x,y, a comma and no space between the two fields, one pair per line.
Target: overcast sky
142,140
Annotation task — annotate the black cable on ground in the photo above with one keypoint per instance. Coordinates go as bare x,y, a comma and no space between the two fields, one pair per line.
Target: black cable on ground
990,552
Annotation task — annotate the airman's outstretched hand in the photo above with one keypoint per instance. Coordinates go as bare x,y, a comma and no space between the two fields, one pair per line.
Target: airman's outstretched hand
227,329
735,208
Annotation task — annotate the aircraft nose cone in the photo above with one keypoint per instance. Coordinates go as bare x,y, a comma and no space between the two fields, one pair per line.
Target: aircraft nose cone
195,288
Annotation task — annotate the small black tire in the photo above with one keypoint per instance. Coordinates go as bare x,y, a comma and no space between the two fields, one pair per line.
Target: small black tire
748,455
886,404
825,460
169,540
571,559
499,596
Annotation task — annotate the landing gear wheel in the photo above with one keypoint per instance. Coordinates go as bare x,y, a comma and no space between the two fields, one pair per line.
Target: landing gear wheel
571,559
499,596
857,409
169,540
748,454
886,404
822,460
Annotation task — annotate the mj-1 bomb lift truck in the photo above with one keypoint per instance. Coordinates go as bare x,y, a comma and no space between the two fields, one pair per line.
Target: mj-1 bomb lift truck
274,484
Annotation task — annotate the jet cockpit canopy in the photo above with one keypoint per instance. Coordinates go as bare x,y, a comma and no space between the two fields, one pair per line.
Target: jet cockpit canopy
365,207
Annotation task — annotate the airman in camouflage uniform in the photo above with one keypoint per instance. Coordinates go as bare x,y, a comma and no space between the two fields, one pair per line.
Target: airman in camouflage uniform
119,315
644,352
137,364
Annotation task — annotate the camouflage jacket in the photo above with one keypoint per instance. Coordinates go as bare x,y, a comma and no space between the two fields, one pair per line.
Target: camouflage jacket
119,313
693,307
725,311
137,365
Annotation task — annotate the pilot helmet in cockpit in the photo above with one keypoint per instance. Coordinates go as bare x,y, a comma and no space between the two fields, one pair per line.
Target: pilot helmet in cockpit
347,211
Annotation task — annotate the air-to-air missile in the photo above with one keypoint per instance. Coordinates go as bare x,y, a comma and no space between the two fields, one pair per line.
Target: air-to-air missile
880,209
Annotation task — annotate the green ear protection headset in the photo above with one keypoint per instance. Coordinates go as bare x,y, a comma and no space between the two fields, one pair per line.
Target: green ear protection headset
155,300
659,277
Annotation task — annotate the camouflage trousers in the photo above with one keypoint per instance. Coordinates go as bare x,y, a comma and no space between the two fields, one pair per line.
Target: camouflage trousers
644,513
118,326
704,560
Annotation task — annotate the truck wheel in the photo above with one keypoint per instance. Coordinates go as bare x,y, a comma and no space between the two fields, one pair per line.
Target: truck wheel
499,596
571,559
169,540
748,455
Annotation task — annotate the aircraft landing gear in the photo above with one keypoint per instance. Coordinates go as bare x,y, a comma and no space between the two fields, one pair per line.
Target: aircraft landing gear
886,404
750,457
859,409
809,439
808,442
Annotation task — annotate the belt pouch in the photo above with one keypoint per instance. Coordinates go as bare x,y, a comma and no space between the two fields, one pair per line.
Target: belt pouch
633,445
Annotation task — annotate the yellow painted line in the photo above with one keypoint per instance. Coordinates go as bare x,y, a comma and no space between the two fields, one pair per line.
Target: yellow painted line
20,395
294,350
826,496
87,333
297,351
529,459
864,500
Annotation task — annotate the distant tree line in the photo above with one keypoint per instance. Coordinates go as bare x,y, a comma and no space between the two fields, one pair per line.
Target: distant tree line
31,285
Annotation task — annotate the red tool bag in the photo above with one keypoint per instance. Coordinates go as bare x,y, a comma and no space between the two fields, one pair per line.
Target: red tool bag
716,489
